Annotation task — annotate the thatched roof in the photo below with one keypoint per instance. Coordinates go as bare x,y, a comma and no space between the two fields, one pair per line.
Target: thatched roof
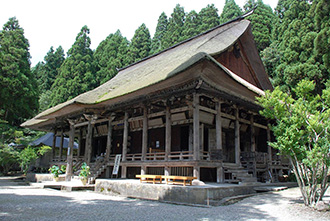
154,70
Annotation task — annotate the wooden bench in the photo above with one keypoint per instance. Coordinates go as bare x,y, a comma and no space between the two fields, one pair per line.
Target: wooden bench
150,178
179,179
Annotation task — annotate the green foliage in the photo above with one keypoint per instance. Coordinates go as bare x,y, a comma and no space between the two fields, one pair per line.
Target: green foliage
111,55
208,18
26,157
301,128
157,40
299,49
56,170
8,158
262,22
230,11
47,71
18,86
76,74
174,31
140,45
84,171
191,25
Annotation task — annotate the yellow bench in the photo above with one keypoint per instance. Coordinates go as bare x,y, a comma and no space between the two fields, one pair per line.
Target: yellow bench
179,179
150,178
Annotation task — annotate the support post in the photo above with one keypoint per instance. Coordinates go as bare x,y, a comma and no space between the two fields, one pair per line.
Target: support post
220,175
80,142
196,127
69,166
237,139
89,136
167,171
253,145
123,171
143,170
109,140
61,144
125,138
197,172
54,145
218,126
269,147
145,133
168,132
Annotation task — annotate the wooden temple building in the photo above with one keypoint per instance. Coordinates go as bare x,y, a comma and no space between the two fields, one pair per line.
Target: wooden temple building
189,110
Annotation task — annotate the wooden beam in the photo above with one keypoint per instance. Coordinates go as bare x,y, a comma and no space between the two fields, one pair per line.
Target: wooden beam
218,126
109,139
80,140
237,139
168,132
145,133
268,146
61,144
196,127
88,144
125,137
69,166
253,144
54,144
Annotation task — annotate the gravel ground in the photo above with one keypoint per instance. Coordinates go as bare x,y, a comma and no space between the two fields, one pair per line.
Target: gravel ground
23,202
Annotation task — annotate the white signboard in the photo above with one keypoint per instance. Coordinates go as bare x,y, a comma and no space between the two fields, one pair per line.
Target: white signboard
116,166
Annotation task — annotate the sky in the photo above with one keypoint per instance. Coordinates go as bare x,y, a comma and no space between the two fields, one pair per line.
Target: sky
49,23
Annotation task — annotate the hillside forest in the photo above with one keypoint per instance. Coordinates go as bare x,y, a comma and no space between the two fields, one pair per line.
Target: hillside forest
292,40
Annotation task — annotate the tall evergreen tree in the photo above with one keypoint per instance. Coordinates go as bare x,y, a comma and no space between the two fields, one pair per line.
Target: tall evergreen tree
77,73
191,25
296,40
140,45
47,71
174,31
321,14
230,11
209,18
18,86
262,22
110,55
157,40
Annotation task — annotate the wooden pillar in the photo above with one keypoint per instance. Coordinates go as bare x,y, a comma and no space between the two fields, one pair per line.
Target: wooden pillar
109,140
167,171
61,144
269,147
197,172
253,144
145,133
89,136
201,138
123,171
218,126
80,140
143,169
196,129
125,137
168,133
54,145
237,139
220,175
191,139
69,166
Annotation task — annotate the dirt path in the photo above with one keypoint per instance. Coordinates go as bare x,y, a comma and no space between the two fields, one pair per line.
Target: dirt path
19,201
